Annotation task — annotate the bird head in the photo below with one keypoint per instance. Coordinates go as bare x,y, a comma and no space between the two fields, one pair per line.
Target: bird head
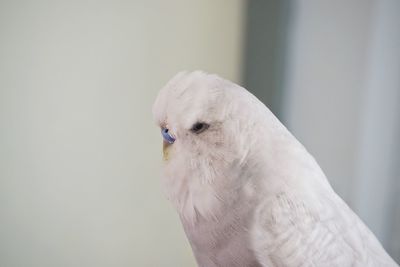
208,126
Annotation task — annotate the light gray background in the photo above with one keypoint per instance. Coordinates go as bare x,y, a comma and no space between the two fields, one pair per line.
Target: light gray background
330,71
342,100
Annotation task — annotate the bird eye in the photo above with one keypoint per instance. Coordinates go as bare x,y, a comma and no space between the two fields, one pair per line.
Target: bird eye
199,127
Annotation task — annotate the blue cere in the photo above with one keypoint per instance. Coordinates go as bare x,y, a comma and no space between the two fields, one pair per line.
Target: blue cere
167,136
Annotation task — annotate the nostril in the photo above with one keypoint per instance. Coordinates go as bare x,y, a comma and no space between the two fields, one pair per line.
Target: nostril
167,136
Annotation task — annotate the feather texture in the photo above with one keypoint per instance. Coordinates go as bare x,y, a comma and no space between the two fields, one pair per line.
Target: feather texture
248,193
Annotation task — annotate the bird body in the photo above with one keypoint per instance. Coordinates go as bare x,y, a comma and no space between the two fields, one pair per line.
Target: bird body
247,192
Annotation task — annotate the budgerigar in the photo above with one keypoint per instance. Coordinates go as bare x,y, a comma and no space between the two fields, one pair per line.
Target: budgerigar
247,192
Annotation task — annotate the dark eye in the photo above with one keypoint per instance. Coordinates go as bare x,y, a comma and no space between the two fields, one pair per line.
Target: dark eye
199,127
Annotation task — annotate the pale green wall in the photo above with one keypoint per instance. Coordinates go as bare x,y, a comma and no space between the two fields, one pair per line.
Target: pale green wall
79,153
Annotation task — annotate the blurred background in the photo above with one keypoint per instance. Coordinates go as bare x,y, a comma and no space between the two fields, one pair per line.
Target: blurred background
80,155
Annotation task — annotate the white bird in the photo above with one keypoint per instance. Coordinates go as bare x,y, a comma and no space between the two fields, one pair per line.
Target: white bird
247,192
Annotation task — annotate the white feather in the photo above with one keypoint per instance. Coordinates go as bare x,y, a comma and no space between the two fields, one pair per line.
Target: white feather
248,193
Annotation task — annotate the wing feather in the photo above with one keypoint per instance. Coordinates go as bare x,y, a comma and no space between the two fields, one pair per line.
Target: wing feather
298,230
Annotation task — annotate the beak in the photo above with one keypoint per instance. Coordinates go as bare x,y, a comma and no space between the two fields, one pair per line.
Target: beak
167,142
166,149
165,145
